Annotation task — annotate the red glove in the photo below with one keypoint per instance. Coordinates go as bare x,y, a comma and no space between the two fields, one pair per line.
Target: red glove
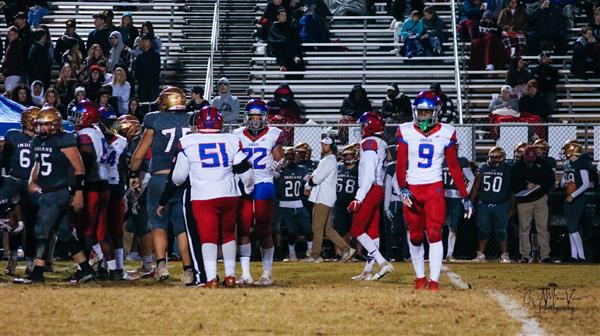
354,206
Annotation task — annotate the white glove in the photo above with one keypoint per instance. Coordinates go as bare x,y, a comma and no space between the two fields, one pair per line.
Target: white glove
19,228
278,165
406,196
389,214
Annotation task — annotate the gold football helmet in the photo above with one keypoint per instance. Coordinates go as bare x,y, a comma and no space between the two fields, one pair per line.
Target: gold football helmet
349,154
303,151
520,150
571,148
28,117
542,147
496,155
128,126
48,116
171,98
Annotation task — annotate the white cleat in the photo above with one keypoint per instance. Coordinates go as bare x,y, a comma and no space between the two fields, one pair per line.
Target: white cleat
264,281
363,277
383,271
480,258
451,259
313,260
505,259
244,281
349,253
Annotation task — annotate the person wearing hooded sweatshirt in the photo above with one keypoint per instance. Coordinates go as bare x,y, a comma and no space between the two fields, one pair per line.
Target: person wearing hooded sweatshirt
396,107
128,31
227,103
283,104
120,55
37,93
356,103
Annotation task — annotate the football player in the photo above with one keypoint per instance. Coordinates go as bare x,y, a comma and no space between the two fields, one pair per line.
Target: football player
11,218
517,153
369,196
304,158
396,234
576,180
347,185
55,152
163,129
210,159
542,148
422,145
262,145
494,199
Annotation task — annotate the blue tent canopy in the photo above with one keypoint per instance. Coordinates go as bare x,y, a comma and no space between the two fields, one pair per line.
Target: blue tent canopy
10,115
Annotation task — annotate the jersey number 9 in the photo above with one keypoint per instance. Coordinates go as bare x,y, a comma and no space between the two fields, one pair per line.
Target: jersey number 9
426,154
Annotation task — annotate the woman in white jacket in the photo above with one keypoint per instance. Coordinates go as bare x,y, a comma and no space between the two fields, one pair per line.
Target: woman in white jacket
121,89
322,185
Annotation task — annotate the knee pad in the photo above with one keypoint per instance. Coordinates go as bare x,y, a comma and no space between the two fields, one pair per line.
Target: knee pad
434,235
41,248
416,238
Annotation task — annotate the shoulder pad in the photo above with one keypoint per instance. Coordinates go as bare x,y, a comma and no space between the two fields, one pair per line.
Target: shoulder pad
369,144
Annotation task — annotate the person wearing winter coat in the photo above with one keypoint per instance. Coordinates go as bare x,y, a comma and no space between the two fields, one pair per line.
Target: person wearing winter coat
356,103
228,104
396,107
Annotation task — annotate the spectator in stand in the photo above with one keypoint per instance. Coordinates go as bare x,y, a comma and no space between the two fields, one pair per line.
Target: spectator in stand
134,108
487,50
504,104
228,104
51,98
12,8
533,102
433,32
197,102
532,173
410,35
147,70
100,34
110,16
513,22
470,16
37,93
396,107
284,105
586,55
356,103
518,76
37,10
120,55
148,29
106,100
72,55
493,8
128,30
22,95
269,16
97,80
595,24
66,83
313,28
63,44
13,63
547,79
548,28
49,44
448,111
94,56
121,89
284,44
79,96
38,62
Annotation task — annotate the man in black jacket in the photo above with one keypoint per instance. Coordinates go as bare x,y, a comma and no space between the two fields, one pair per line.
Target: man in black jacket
63,44
147,70
448,113
547,78
100,34
533,102
547,24
25,33
531,180
38,63
396,107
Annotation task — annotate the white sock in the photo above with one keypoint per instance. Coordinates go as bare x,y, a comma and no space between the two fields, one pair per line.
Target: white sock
292,251
371,248
98,250
451,242
436,254
111,264
370,261
119,258
573,247
309,247
417,257
245,254
147,261
209,255
579,244
267,259
229,253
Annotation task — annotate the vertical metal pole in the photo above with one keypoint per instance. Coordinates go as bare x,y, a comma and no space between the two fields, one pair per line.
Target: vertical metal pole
456,65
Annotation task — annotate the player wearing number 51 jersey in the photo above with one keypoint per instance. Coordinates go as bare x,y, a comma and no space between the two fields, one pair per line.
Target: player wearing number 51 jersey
163,129
262,146
423,144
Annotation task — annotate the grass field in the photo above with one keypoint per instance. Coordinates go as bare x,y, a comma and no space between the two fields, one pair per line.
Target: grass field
311,299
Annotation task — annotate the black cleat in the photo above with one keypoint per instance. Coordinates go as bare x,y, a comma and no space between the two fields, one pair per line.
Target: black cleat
28,281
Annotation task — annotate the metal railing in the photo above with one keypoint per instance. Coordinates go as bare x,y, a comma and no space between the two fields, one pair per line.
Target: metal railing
214,45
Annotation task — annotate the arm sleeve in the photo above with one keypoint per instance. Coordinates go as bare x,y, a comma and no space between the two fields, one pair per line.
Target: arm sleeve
585,179
401,160
454,167
387,196
181,170
468,173
366,168
563,181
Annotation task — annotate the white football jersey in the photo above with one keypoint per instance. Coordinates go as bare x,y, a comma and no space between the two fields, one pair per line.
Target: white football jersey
208,159
371,166
99,142
115,150
426,153
259,151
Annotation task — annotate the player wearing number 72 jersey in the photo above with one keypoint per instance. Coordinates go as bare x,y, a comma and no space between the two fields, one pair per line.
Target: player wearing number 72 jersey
422,146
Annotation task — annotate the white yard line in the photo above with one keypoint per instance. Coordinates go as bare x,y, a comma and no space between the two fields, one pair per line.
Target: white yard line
529,325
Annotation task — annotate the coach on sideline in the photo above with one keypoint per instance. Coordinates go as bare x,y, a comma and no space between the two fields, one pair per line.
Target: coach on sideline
322,186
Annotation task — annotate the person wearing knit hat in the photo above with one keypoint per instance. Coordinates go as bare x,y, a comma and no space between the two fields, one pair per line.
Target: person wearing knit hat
127,29
505,103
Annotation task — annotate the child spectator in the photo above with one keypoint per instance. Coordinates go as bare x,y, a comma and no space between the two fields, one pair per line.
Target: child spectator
410,34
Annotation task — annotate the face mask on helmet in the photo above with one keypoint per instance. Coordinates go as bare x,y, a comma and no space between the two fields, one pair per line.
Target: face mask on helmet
256,115
496,156
426,110
349,158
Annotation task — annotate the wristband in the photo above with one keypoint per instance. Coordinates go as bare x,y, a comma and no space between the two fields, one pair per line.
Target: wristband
79,182
134,174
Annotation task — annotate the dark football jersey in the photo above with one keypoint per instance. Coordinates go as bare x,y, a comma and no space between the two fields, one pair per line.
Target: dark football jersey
495,183
54,165
131,146
21,159
310,165
551,162
447,178
168,128
291,183
347,184
9,196
572,170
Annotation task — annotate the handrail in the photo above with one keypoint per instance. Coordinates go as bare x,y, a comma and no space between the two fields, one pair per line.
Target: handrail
214,45
456,65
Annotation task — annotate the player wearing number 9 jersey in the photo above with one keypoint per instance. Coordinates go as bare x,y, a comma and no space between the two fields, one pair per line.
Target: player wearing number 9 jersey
262,145
163,129
210,159
423,144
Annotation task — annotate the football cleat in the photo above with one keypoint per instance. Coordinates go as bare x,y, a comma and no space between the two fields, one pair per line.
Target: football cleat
383,271
243,281
264,281
364,276
49,268
115,275
187,278
210,284
420,283
451,259
480,258
229,281
162,272
10,267
505,259
314,260
349,253
140,273
27,281
433,286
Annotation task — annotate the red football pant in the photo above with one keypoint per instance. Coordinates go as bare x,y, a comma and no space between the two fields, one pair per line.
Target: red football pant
366,219
91,220
428,212
257,212
115,221
215,219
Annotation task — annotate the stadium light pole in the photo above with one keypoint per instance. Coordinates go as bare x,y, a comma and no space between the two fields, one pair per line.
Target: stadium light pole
456,66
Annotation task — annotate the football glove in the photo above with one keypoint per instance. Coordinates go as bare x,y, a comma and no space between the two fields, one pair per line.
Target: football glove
389,214
406,197
468,207
354,206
